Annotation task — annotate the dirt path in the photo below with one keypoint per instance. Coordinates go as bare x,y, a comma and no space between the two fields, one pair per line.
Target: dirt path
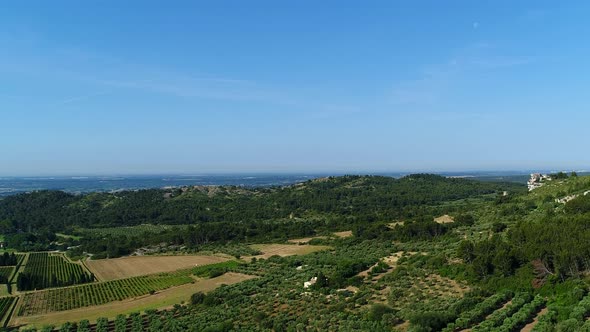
389,260
529,327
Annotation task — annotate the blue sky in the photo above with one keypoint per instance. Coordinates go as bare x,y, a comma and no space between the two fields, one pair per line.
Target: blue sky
102,87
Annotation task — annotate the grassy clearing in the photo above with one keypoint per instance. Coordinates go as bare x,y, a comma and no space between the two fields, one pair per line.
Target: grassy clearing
65,236
119,268
444,219
283,250
305,240
343,234
3,290
160,300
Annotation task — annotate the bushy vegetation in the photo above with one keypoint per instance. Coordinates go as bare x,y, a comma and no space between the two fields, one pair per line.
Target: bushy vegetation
524,315
498,317
226,213
481,310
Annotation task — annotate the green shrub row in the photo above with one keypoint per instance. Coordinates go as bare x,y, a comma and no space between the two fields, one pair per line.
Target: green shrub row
497,317
481,310
522,316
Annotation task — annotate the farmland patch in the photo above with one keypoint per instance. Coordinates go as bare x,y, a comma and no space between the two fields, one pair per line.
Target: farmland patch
160,300
125,267
283,250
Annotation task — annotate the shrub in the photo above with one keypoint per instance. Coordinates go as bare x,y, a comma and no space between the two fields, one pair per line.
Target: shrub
197,298
378,310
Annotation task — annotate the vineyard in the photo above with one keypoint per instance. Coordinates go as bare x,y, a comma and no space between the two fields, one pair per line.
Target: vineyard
44,270
5,272
8,264
37,303
5,304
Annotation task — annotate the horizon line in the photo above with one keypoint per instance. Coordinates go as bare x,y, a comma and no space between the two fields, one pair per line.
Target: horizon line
297,172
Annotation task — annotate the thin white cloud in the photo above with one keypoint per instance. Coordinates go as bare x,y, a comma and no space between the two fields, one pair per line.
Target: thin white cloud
82,98
433,82
502,61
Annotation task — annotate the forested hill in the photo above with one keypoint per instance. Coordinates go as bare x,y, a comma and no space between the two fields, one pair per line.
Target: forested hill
361,197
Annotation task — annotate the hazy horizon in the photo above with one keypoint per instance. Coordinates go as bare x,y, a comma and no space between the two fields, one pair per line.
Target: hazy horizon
300,172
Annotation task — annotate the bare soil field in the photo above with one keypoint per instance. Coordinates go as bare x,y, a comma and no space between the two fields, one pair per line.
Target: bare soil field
393,224
444,219
125,267
343,234
160,300
305,240
389,260
283,250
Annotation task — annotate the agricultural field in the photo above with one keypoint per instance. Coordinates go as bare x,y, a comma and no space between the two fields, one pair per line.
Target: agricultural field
5,304
343,234
403,289
305,240
161,300
126,267
44,270
5,273
283,250
4,290
68,298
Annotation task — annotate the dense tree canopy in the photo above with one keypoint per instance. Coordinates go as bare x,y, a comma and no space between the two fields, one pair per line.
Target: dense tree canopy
374,197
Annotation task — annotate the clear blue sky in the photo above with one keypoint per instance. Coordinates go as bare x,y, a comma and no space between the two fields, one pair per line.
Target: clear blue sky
98,87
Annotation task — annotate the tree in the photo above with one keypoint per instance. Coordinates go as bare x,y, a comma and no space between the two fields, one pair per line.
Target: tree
197,298
498,227
466,251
